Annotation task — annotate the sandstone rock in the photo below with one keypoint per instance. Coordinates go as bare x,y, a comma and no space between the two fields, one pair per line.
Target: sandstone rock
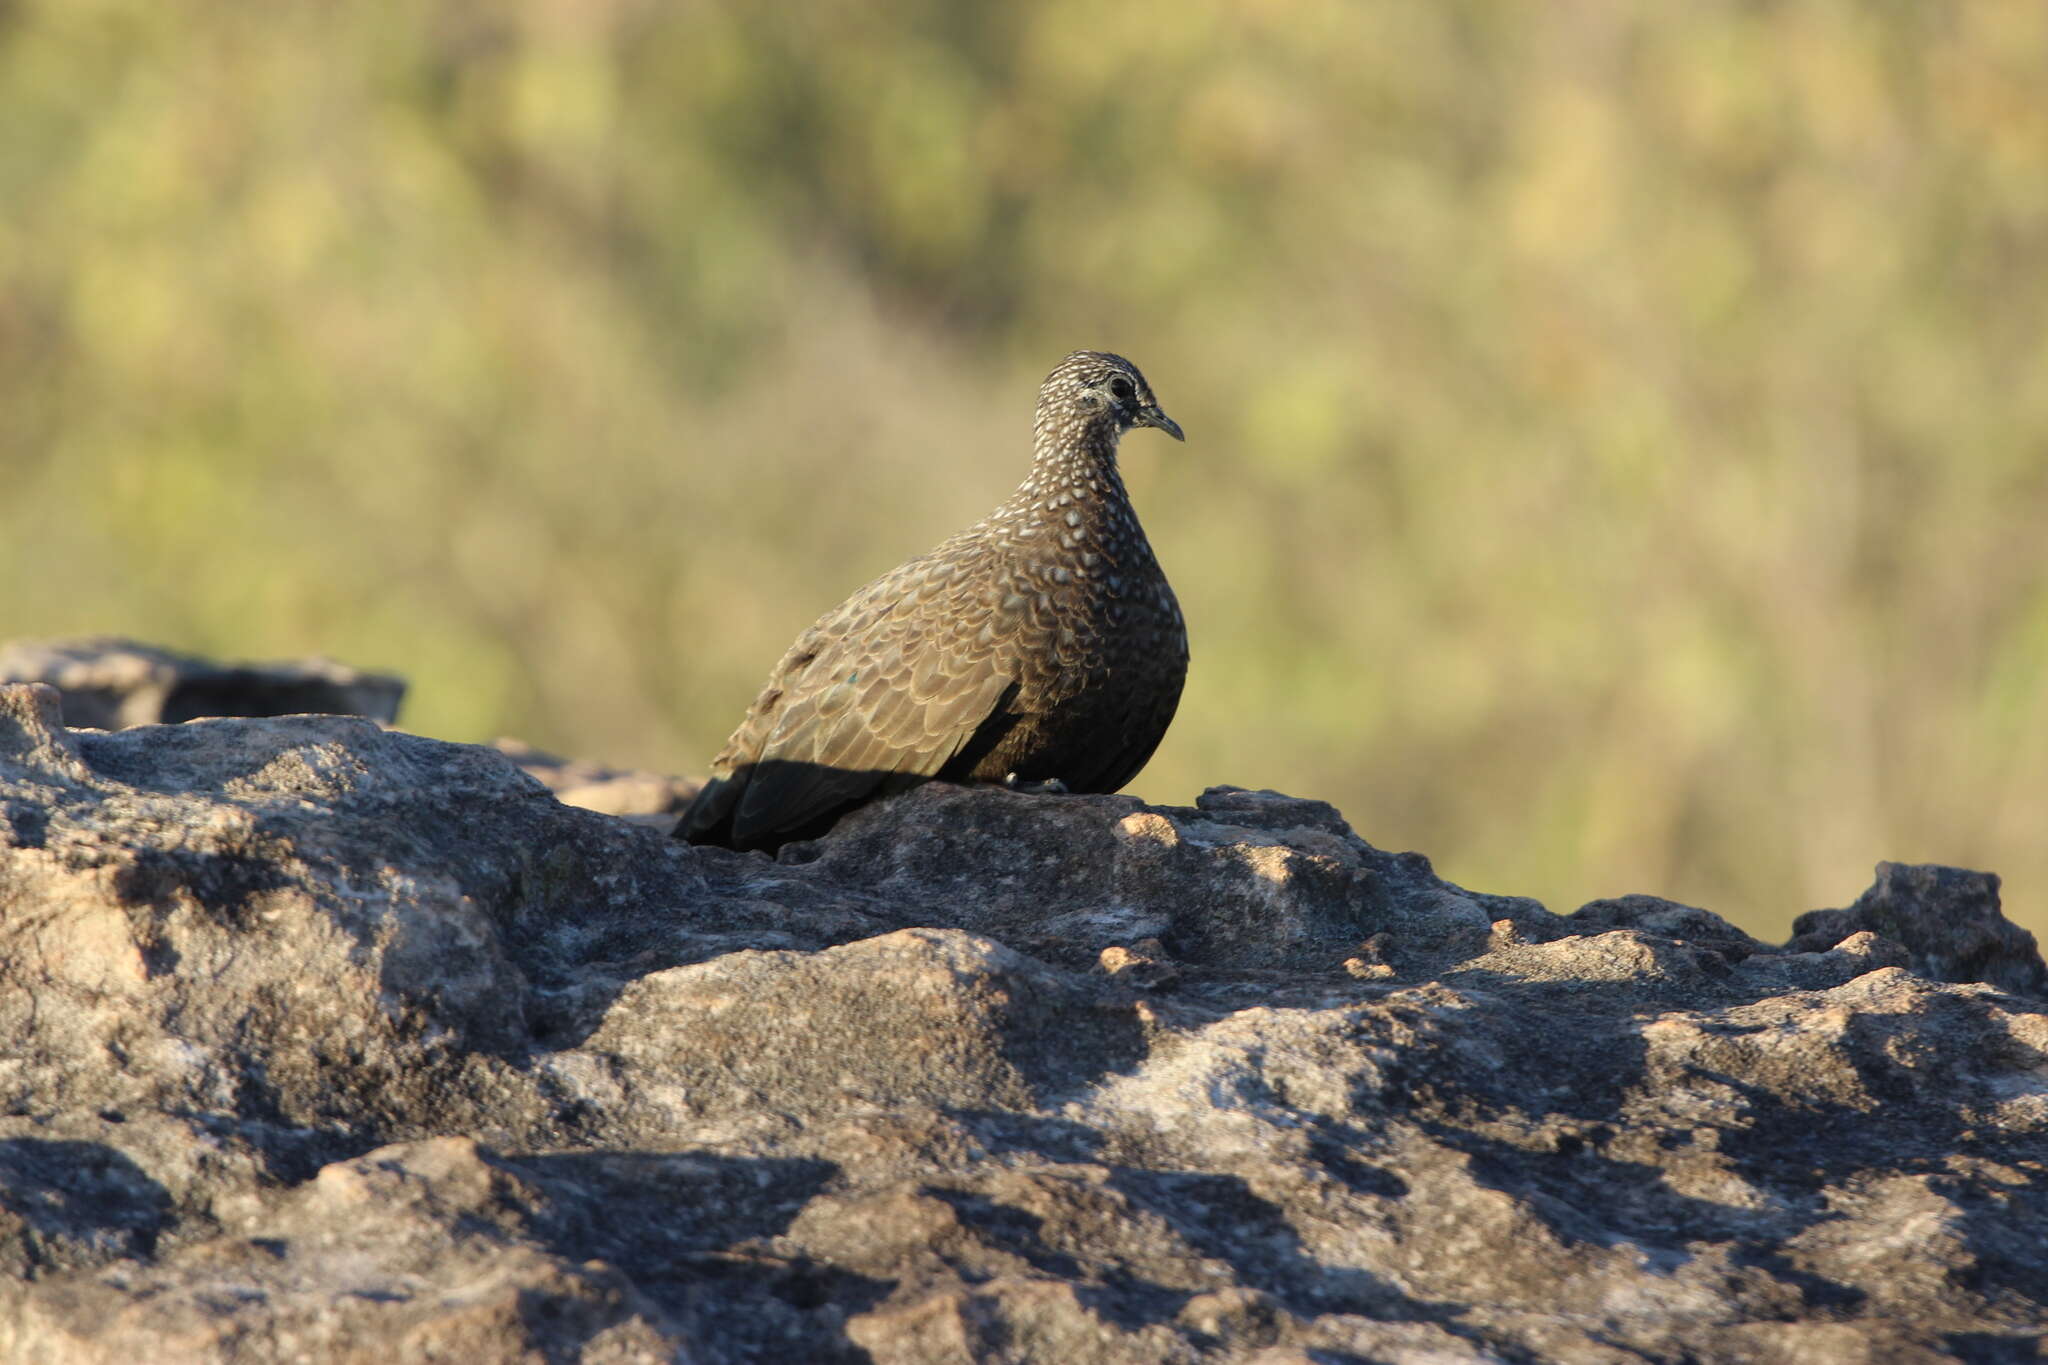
328,1043
651,799
1946,919
110,684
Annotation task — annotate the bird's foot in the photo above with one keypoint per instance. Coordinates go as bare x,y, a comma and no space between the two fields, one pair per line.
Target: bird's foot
1051,786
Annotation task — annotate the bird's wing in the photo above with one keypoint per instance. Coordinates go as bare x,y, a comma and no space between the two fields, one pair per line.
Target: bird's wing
892,683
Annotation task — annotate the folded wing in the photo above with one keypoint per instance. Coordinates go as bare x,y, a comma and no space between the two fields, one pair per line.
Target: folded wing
881,692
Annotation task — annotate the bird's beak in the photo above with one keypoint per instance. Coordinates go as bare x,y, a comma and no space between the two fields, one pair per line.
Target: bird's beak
1151,416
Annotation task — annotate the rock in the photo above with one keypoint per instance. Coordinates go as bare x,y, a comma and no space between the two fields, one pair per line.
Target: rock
111,684
327,1042
1144,964
651,799
1946,919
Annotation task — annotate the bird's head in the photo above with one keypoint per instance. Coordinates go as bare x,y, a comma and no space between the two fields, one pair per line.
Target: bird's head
1096,393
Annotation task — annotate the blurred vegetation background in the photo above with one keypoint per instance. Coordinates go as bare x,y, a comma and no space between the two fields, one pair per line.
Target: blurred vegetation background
1617,433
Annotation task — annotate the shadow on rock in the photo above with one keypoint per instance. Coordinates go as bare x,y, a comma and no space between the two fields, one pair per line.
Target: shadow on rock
696,1230
65,1205
1220,1216
229,886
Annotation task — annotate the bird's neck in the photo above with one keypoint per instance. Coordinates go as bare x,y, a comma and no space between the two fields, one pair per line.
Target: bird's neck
1081,469
1073,500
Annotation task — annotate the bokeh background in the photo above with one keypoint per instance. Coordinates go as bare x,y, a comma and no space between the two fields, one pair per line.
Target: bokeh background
1618,433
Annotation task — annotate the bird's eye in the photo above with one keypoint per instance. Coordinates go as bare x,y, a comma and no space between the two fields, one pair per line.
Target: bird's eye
1121,387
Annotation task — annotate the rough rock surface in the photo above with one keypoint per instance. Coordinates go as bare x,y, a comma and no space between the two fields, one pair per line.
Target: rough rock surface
110,683
326,1043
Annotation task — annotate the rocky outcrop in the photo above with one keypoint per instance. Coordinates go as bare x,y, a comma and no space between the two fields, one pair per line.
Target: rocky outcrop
110,683
326,1042
652,799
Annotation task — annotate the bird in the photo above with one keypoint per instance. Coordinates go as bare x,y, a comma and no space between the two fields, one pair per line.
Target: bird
1040,648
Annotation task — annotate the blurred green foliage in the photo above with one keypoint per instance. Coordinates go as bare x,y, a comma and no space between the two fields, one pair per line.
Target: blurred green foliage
1618,433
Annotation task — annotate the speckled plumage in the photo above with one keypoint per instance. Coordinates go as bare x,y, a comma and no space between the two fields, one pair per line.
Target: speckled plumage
1041,644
